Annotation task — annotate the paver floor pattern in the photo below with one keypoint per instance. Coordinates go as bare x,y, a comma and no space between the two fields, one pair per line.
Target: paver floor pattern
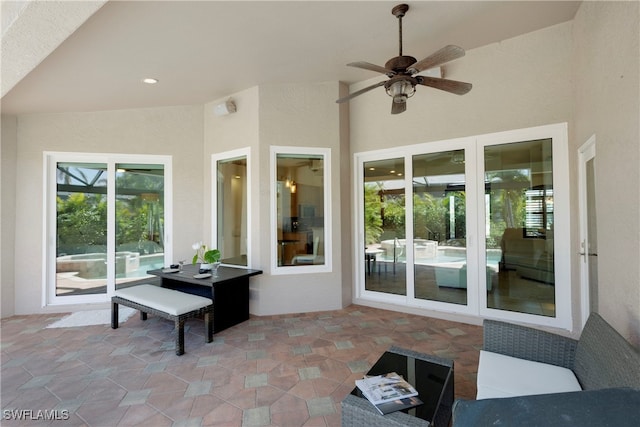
285,370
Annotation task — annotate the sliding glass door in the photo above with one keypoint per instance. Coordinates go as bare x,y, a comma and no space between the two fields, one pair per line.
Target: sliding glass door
81,228
473,225
139,220
106,223
519,201
439,226
384,226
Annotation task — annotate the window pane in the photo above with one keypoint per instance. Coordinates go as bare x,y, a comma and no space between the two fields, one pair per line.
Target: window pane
81,228
232,210
139,220
439,226
384,224
519,206
300,209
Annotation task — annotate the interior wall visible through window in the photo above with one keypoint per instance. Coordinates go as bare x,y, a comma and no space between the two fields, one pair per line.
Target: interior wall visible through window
232,208
300,230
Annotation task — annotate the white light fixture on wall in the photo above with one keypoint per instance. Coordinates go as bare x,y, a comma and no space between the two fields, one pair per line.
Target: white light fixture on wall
225,108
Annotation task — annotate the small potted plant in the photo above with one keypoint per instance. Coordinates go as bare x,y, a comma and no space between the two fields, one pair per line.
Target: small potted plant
209,258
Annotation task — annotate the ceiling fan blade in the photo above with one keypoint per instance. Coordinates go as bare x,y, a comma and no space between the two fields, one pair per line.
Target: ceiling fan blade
446,54
398,107
453,86
372,67
360,92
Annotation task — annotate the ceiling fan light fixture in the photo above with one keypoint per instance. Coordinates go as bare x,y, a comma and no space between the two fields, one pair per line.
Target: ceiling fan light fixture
400,99
401,90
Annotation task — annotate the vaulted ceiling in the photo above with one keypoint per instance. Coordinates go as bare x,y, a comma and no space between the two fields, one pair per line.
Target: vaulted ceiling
68,57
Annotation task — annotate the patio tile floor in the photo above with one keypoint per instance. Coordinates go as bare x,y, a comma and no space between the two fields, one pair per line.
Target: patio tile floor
286,370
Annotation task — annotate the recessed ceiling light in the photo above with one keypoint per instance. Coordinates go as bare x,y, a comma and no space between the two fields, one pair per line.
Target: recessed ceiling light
150,81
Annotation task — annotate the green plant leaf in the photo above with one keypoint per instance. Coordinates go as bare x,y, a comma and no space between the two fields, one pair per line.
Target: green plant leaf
211,256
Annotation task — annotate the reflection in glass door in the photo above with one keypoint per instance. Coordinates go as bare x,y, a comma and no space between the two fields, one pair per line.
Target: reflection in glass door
108,226
439,227
519,201
139,220
81,228
384,226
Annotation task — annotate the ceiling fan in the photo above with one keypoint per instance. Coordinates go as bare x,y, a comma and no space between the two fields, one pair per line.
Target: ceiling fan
401,71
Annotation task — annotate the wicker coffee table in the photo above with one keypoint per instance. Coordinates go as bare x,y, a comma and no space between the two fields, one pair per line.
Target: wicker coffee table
432,376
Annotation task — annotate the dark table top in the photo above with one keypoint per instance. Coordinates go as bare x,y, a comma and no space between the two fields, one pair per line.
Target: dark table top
224,274
427,376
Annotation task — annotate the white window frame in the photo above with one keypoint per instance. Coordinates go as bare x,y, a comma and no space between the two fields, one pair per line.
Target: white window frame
326,180
476,231
50,160
561,218
230,155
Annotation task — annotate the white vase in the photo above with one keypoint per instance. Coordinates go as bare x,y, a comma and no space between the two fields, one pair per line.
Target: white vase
206,266
212,267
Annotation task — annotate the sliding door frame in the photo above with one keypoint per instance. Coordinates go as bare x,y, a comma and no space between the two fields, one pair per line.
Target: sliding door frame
50,161
407,154
476,231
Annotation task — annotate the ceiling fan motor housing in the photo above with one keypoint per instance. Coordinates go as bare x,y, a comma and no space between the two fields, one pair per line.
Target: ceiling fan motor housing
399,64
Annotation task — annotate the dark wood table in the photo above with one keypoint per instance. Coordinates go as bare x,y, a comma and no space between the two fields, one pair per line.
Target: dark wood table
229,290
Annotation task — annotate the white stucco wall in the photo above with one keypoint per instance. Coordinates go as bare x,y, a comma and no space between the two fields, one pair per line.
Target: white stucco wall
225,133
300,116
175,131
607,104
7,214
295,115
518,83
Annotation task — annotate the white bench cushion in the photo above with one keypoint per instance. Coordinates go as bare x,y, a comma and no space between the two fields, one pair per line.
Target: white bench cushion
162,299
506,376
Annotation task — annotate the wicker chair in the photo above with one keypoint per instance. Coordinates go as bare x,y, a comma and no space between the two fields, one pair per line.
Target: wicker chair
605,364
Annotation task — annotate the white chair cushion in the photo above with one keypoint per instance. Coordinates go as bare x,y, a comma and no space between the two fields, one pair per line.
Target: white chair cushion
162,299
506,376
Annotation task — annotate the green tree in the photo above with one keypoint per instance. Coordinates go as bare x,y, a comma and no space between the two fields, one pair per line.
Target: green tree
81,221
507,197
393,206
429,216
372,213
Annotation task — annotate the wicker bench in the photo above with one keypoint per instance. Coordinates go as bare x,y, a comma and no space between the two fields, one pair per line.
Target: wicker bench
167,303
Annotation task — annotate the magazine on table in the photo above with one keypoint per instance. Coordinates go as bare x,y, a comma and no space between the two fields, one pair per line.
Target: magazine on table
389,392
398,405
